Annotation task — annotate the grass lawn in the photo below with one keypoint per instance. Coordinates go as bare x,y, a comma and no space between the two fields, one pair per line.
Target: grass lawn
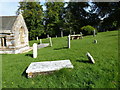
102,74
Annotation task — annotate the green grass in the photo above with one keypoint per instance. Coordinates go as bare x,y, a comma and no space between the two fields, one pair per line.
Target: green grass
102,74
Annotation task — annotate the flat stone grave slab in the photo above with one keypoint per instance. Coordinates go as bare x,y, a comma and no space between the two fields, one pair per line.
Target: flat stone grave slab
47,66
42,45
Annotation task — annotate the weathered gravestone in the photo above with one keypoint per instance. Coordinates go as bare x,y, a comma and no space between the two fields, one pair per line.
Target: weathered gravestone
46,67
47,35
40,41
68,41
61,33
37,38
90,57
74,33
95,41
94,33
50,41
81,35
34,50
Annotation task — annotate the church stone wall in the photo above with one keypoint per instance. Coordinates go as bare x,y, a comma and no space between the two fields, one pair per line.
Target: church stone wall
15,42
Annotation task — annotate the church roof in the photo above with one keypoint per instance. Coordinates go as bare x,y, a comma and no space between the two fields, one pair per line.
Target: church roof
7,22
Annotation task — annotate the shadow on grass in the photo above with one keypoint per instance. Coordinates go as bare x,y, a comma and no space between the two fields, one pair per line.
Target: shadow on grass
60,48
83,61
24,74
30,55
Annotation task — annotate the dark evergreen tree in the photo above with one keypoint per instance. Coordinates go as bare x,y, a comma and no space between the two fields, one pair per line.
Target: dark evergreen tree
54,18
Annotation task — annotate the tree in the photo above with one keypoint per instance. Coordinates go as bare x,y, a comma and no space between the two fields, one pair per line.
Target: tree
33,15
53,18
110,12
82,13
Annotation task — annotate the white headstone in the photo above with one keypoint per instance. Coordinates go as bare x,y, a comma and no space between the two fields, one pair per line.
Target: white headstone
35,50
37,38
68,41
40,41
50,41
61,33
90,57
95,41
94,33
56,36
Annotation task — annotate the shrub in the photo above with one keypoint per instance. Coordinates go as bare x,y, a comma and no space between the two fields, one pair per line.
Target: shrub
88,30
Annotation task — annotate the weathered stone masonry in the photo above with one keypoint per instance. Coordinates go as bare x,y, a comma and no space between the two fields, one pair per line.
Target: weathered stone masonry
13,35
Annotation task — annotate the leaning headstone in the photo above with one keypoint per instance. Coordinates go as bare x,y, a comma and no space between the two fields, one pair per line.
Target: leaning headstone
61,33
47,35
95,41
35,50
50,41
94,33
37,38
68,41
90,57
40,41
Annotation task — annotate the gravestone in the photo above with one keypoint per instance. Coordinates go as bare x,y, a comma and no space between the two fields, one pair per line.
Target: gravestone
94,33
50,41
74,33
47,35
56,36
61,33
37,38
40,41
90,57
81,35
68,41
95,41
47,67
35,50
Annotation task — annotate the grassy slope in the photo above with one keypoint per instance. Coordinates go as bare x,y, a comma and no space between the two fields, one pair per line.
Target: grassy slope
102,74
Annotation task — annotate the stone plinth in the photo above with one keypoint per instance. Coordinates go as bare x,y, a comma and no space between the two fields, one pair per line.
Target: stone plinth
47,66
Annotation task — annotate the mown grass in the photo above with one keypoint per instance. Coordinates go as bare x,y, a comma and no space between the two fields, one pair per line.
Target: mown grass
102,74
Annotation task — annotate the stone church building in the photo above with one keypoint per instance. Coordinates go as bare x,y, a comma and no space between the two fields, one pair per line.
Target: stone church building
13,35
